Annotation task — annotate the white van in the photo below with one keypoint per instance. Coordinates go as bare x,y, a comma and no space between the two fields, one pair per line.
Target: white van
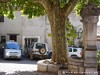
72,52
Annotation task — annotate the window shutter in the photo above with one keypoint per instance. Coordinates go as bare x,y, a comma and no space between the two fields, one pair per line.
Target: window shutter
1,18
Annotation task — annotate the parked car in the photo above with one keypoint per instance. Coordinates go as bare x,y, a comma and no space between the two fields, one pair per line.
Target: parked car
39,50
72,52
12,50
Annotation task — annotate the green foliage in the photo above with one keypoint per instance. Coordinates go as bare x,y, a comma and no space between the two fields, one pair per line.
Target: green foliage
63,3
49,35
31,9
27,6
96,2
36,9
71,33
82,3
98,57
8,9
79,6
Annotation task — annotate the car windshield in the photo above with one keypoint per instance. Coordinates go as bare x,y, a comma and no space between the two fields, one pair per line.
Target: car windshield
39,46
12,46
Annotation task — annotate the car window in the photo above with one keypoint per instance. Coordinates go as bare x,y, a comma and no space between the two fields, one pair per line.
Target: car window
70,49
13,46
39,45
74,50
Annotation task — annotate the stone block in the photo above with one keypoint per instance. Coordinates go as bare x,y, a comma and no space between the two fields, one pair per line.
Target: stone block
90,53
70,66
90,59
75,67
42,67
53,68
91,71
81,70
90,65
74,70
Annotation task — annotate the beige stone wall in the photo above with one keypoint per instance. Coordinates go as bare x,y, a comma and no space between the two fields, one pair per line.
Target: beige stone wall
76,66
38,26
11,27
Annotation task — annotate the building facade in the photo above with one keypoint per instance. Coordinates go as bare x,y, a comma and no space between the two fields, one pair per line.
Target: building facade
25,31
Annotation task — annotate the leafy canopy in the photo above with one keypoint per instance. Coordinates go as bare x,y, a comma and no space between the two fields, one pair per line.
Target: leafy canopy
28,7
34,8
82,3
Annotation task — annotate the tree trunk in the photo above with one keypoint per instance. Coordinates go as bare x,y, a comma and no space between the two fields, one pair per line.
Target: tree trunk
57,20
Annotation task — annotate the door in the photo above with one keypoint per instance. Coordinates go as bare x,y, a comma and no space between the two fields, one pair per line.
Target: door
13,37
29,41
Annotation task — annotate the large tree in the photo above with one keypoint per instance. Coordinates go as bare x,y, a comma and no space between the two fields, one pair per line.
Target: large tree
57,12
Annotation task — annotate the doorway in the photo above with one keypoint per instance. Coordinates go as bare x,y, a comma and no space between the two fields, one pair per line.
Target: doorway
13,37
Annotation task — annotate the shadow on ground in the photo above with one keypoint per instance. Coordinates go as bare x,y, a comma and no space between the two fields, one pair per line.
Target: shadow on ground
27,73
22,61
2,73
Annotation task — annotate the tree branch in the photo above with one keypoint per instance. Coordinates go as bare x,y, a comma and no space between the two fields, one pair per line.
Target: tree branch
46,3
70,6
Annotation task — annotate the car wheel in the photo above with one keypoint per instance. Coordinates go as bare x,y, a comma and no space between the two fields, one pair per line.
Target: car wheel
42,51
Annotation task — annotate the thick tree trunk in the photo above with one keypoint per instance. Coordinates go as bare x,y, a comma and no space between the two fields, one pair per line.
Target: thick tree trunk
57,20
57,17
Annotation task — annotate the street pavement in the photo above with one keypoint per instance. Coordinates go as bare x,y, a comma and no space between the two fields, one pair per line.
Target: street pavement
20,67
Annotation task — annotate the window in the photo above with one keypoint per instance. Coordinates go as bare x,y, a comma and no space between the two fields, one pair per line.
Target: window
74,50
3,38
13,37
12,46
39,46
70,49
1,18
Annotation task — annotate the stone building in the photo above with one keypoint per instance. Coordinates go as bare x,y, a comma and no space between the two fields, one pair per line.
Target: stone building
25,31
